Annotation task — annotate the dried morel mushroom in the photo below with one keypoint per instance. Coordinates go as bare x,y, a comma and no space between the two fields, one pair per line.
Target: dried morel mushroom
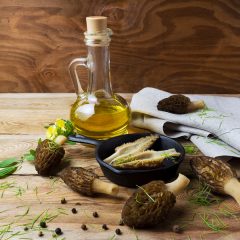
49,155
217,174
137,146
179,104
86,182
151,203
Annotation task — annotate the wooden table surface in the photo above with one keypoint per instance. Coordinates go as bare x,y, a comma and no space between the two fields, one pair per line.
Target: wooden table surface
27,197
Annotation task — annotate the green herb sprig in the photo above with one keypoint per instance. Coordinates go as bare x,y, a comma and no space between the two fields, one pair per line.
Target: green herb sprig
20,191
150,198
190,149
48,216
29,156
226,211
203,196
213,222
10,165
36,193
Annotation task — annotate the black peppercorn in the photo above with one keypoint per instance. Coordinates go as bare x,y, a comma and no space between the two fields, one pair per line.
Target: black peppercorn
26,229
118,231
176,229
58,231
63,201
95,214
84,227
105,227
43,224
40,234
74,210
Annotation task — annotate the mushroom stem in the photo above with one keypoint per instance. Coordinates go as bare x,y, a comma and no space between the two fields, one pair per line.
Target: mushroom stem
232,188
194,105
100,186
178,185
60,140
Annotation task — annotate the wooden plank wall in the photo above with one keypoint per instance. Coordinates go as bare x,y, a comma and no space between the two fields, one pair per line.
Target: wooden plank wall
190,46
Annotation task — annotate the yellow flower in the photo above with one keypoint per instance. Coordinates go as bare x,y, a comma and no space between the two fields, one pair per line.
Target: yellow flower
51,132
60,127
60,123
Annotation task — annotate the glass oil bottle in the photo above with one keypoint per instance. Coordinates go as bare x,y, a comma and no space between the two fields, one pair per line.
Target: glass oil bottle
97,113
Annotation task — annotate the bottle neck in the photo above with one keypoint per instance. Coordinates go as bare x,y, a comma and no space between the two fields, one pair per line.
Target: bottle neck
99,63
99,71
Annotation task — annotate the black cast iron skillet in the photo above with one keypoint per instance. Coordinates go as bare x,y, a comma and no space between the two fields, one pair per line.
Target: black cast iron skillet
132,177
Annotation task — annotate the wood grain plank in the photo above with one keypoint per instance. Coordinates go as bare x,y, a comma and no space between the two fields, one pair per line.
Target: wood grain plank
50,193
178,46
40,194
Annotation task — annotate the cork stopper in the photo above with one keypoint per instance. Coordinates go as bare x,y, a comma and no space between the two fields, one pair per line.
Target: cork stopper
96,24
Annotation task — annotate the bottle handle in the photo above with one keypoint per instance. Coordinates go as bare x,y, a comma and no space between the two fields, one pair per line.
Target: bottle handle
73,72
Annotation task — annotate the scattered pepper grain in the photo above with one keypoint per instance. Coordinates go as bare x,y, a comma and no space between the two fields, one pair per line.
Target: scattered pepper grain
58,231
104,226
74,210
118,231
40,234
95,214
26,229
63,201
43,224
84,227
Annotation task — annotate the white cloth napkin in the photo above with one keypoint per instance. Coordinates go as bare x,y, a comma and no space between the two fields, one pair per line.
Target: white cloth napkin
215,130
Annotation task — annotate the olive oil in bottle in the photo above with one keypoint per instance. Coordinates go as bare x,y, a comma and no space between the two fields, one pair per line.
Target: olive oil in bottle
98,112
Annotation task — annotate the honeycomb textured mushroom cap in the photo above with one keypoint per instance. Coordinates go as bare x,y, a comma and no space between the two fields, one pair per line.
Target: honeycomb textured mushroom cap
212,171
140,211
174,104
79,179
48,156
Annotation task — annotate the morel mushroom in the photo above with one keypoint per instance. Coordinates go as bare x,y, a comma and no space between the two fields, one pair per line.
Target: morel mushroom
151,203
86,182
49,155
218,175
179,104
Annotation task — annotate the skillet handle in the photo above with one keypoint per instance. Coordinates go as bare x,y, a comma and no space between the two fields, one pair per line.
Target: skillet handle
83,139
